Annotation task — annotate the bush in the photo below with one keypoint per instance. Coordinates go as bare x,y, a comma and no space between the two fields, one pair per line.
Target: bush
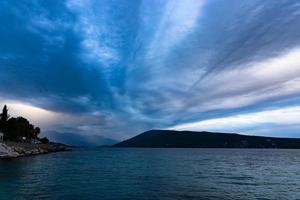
44,140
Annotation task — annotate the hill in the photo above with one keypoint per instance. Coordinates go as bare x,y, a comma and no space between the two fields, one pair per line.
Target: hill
74,139
190,139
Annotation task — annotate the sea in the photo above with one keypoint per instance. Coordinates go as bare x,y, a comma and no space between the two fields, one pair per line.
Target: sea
145,173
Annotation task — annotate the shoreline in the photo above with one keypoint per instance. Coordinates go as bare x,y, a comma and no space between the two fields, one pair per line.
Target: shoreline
15,150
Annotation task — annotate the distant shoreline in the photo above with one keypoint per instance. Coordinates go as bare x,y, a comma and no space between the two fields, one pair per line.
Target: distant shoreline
192,139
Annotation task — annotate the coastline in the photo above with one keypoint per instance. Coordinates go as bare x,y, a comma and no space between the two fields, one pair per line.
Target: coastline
15,150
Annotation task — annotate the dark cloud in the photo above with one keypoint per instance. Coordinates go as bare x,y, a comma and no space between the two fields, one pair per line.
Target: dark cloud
147,64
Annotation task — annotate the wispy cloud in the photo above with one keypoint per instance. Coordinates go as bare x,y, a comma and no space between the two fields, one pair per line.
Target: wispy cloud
178,21
97,36
249,83
248,123
121,67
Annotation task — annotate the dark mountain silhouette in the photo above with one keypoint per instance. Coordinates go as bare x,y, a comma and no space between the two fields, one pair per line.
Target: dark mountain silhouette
74,139
190,139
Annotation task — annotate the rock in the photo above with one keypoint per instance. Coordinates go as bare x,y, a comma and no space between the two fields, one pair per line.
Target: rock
7,152
13,150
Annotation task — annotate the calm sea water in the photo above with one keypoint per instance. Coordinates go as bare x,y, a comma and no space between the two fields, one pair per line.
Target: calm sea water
125,173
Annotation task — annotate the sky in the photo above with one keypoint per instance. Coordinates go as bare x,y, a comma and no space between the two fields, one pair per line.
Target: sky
117,68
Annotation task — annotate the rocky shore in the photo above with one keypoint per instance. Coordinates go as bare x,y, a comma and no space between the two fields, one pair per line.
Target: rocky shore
14,150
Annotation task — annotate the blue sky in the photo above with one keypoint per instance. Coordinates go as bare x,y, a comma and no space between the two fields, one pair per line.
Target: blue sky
117,68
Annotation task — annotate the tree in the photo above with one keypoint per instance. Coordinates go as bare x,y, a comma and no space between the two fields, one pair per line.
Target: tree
37,131
11,132
4,115
3,118
44,140
15,129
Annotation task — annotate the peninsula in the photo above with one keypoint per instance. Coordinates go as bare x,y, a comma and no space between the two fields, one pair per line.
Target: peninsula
190,139
20,138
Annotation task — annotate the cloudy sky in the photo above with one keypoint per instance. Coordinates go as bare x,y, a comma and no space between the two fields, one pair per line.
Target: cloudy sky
116,68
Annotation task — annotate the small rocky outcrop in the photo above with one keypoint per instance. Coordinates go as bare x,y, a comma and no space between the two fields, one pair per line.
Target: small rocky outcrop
7,151
13,150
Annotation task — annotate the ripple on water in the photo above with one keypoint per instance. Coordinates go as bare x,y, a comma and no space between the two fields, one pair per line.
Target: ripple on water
154,174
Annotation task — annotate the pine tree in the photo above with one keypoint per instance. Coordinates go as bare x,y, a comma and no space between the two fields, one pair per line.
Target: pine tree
4,115
3,118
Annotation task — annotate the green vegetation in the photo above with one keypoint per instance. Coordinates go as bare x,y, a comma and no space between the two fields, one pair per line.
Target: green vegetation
18,129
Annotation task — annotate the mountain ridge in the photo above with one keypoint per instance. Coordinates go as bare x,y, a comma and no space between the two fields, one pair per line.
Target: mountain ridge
204,139
79,140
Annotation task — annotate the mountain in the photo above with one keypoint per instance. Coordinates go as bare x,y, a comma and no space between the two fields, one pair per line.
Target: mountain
80,140
190,139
